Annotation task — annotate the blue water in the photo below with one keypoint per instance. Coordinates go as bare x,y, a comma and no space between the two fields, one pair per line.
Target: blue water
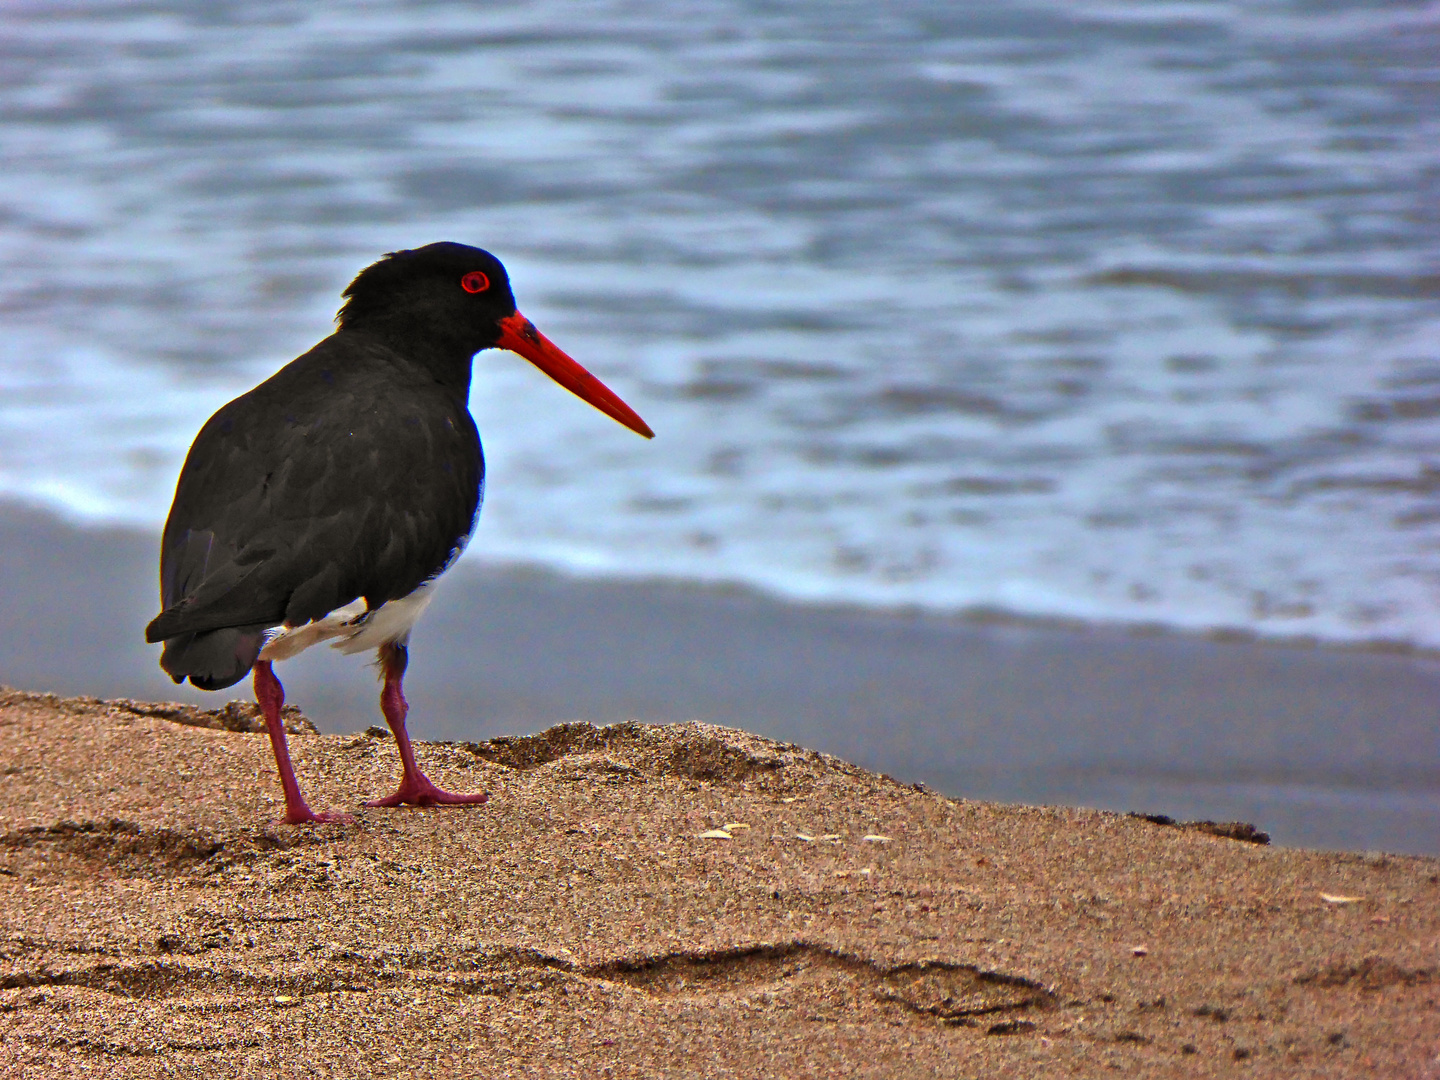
1113,311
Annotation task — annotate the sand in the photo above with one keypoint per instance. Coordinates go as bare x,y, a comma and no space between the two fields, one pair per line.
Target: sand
157,922
1320,747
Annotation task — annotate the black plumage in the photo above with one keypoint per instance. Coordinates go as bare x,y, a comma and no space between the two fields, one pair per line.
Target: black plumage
353,473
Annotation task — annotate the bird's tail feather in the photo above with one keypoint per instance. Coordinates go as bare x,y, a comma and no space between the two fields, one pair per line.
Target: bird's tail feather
214,659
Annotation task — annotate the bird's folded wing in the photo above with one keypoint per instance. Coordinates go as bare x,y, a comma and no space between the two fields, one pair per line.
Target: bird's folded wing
282,516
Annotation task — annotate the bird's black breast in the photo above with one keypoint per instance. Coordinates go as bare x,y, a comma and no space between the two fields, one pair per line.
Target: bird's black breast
350,473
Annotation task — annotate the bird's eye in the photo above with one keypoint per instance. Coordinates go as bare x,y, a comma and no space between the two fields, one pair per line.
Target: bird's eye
474,281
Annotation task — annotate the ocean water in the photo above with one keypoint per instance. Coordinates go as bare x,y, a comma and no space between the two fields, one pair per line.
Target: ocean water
1121,312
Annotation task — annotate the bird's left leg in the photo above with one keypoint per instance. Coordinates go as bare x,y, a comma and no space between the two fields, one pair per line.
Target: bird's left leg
271,696
416,788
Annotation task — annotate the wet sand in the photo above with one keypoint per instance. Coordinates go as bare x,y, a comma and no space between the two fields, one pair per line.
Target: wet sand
1320,747
582,923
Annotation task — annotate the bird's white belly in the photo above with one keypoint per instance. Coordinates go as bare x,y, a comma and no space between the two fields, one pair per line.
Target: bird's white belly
351,629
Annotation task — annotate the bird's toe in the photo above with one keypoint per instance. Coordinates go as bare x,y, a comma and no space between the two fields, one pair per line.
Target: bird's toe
421,791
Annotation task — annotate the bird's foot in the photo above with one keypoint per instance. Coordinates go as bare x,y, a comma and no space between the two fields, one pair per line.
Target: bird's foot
418,790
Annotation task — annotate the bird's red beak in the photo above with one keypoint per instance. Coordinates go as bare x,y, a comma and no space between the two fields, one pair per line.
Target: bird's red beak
518,334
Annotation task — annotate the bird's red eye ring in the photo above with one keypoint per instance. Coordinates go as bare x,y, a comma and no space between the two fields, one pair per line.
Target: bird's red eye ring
474,281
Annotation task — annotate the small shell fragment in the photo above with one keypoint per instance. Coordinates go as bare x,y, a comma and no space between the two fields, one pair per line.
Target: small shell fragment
1331,898
716,834
732,826
876,838
283,999
1140,950
804,836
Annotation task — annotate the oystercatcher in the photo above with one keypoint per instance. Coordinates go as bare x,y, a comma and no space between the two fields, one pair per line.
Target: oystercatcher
323,504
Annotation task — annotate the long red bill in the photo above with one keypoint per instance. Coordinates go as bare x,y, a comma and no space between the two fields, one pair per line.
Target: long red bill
518,334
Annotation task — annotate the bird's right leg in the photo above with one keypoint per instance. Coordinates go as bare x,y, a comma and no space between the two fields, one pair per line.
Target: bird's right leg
271,696
416,789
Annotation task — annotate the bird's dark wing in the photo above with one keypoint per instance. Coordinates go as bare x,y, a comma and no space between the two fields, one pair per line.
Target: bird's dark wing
317,488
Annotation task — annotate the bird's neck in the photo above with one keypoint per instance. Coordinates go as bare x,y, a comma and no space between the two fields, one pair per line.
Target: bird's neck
446,356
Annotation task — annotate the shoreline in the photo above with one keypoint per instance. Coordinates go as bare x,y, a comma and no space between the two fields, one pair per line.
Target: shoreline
636,898
1320,747
976,616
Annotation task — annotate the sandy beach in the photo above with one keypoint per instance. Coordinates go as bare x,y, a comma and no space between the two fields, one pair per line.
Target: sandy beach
639,900
1017,653
1319,747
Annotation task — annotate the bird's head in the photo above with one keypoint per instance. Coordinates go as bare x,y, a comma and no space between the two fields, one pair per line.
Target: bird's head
461,295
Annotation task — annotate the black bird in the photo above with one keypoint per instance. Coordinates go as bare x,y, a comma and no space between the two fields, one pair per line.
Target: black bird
323,504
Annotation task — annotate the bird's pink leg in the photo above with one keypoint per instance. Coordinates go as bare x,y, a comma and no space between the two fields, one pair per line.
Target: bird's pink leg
416,788
271,696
